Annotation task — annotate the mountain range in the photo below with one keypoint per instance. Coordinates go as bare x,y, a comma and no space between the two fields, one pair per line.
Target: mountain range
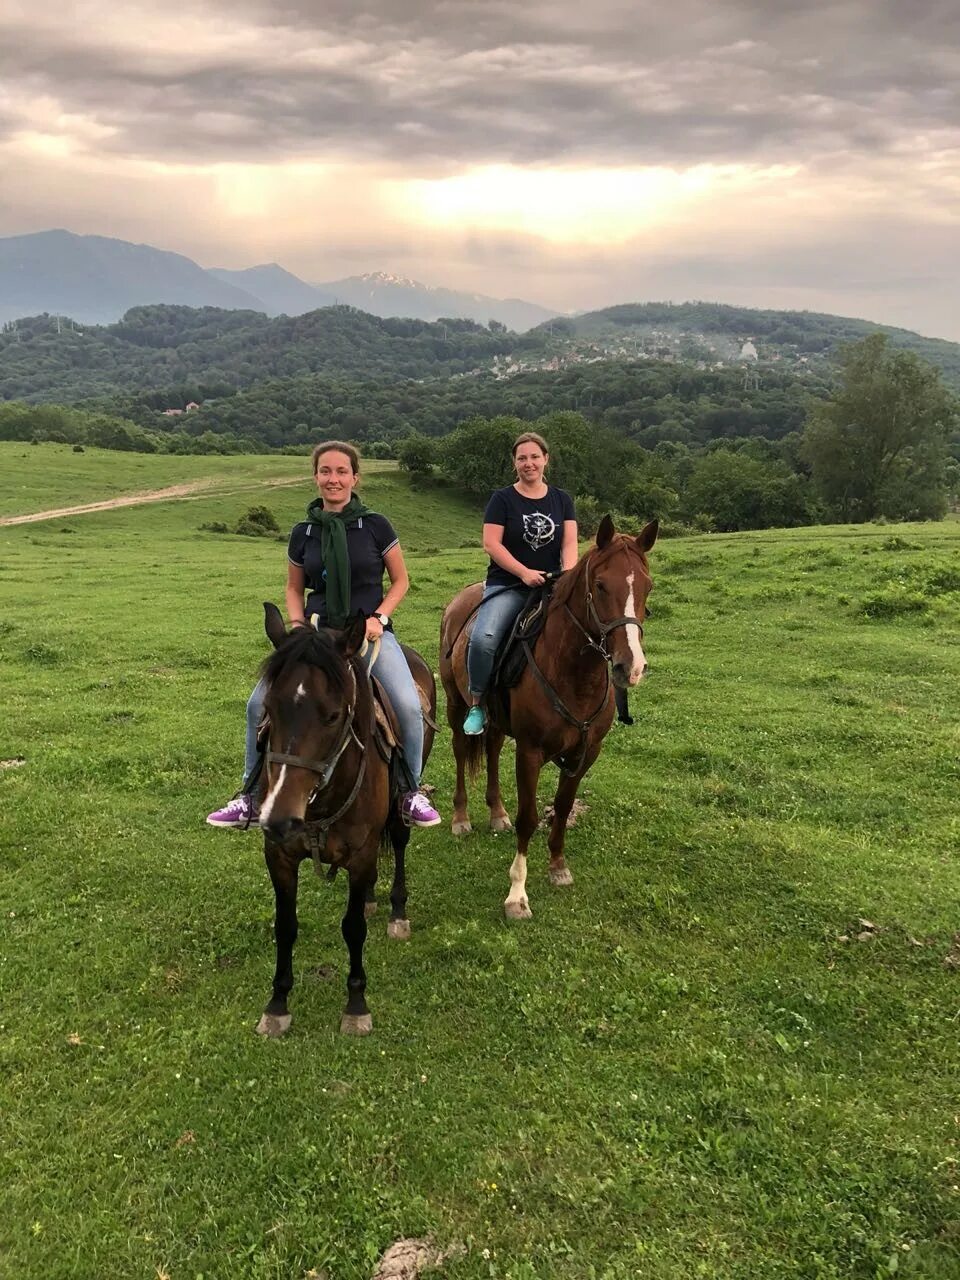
96,279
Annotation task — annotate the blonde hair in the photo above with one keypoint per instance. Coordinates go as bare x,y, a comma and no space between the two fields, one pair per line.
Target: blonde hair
340,446
530,437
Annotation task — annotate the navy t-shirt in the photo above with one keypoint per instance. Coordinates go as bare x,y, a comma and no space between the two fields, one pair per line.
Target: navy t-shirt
532,530
369,538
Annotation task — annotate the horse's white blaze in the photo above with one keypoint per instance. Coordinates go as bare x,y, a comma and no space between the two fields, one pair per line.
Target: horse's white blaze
633,637
301,692
271,798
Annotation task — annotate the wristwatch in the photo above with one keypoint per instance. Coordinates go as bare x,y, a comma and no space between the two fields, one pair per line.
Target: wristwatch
383,619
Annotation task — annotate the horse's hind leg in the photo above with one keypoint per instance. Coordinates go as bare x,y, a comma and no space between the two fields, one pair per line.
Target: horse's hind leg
499,818
356,1020
460,823
529,763
283,873
398,925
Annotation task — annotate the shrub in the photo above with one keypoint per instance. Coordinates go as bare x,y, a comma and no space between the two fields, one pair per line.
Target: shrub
885,605
259,522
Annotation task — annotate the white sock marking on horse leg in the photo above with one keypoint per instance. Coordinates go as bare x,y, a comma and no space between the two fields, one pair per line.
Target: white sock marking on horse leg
268,803
633,637
518,880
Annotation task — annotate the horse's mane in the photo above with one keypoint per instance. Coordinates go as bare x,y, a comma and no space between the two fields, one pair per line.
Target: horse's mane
619,542
305,646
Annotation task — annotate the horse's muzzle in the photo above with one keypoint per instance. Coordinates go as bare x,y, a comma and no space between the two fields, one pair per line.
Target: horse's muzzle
282,829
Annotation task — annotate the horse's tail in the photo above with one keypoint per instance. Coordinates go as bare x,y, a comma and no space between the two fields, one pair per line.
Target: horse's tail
474,753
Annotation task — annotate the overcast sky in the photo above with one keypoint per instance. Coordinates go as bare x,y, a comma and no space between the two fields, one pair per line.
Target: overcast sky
569,152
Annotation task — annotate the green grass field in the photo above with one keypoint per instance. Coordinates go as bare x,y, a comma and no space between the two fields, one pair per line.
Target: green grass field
697,1062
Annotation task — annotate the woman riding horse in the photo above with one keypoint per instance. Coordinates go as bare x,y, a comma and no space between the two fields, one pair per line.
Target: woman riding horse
529,530
561,707
338,556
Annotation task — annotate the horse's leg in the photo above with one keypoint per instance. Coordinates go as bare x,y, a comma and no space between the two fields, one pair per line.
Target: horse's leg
460,824
398,925
560,873
499,818
529,764
370,900
283,873
356,1020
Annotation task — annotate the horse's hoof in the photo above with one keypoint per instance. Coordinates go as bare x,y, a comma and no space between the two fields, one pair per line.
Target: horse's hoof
562,876
501,824
274,1025
369,909
517,911
356,1024
461,828
398,929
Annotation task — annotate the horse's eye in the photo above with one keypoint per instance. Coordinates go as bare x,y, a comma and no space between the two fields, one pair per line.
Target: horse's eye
332,718
601,588
646,612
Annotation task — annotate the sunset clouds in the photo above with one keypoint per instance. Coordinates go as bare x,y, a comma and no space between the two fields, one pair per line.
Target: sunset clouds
574,154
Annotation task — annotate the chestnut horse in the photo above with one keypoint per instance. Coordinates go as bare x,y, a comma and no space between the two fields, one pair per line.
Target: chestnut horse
562,707
328,793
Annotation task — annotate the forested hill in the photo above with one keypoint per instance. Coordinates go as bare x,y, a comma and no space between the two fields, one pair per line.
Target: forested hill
214,351
174,353
708,330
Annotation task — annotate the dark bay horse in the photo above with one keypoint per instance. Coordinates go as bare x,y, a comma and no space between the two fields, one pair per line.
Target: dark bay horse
328,793
562,707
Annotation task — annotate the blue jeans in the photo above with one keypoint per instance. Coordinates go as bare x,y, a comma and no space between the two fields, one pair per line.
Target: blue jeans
495,618
394,674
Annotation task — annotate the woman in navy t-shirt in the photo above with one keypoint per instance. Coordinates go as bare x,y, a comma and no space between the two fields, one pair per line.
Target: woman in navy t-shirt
337,557
529,529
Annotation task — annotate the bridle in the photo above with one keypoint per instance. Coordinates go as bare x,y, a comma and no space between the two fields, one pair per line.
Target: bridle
598,645
316,828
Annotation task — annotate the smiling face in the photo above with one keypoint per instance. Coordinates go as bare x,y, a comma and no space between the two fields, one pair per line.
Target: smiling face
530,461
336,479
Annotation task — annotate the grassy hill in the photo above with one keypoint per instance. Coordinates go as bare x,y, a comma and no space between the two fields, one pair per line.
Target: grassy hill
729,1050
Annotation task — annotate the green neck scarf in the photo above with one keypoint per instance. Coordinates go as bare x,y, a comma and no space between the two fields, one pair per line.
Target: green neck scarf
333,549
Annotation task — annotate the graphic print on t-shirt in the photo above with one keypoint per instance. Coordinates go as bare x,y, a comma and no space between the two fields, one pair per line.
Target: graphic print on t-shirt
538,529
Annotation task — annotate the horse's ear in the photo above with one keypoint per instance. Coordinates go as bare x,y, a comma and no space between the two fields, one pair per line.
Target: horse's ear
353,635
605,532
648,536
273,624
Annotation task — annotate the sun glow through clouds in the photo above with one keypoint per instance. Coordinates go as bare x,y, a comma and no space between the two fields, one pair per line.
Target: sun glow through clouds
592,205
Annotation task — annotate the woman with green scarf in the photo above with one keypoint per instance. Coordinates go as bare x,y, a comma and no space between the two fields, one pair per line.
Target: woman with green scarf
337,557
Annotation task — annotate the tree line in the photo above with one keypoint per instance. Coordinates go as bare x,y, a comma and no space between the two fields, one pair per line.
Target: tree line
885,443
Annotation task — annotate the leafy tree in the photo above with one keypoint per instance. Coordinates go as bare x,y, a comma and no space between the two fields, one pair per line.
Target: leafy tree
885,429
738,492
417,454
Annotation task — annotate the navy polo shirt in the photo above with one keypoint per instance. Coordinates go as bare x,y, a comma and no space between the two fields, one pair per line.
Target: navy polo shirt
369,538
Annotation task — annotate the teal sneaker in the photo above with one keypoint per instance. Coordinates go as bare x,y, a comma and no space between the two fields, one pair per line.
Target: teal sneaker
475,722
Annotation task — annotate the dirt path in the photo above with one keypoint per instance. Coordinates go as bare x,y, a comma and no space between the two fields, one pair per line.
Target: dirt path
173,493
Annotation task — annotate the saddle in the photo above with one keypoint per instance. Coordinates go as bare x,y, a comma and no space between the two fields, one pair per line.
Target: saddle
511,657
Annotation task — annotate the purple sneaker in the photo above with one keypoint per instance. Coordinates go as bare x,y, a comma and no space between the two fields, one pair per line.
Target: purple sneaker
240,812
417,811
